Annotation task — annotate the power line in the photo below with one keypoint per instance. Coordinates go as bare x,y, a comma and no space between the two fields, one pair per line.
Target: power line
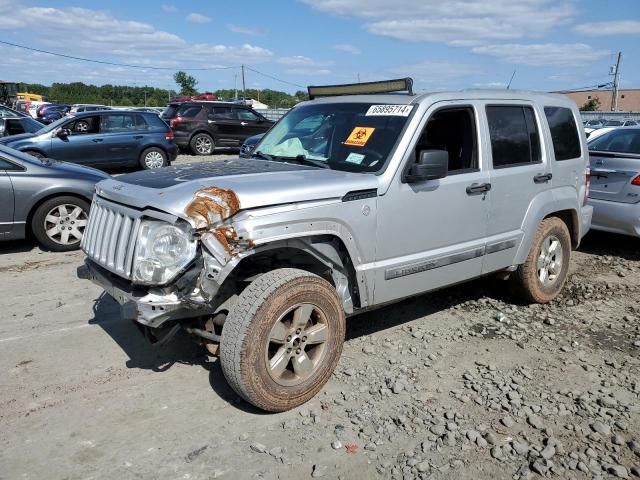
272,77
103,62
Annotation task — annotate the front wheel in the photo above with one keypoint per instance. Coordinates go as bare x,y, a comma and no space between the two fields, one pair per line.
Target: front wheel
58,224
541,278
283,339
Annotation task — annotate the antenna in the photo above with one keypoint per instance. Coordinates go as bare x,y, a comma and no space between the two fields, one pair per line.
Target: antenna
511,79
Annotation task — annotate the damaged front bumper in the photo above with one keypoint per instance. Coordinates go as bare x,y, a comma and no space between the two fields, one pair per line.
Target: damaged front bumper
151,307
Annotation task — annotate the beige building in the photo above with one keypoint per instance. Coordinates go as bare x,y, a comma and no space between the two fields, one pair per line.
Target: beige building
628,100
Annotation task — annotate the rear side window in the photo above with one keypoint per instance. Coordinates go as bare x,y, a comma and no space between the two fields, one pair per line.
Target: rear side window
514,135
189,112
154,121
564,133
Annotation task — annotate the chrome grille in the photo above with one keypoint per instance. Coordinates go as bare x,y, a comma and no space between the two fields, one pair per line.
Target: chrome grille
109,238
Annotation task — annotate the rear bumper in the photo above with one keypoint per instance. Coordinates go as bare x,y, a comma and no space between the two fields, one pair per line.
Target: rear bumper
616,217
145,306
586,219
181,138
172,152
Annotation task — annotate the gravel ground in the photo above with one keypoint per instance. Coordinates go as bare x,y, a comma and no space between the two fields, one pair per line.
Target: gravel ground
465,383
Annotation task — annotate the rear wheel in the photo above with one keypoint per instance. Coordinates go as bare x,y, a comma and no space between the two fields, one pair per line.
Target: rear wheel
541,278
202,144
153,158
283,338
58,224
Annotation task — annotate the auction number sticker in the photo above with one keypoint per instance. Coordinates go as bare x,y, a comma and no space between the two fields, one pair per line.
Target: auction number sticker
389,110
359,136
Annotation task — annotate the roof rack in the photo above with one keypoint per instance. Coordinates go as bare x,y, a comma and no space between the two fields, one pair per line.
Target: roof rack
384,86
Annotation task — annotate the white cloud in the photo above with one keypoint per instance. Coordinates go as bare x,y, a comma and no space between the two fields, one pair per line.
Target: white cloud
300,60
169,8
197,18
104,36
308,71
256,32
459,22
344,47
618,27
431,72
544,55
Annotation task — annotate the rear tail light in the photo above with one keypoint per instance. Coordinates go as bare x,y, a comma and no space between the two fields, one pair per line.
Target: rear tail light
168,135
175,121
587,184
636,181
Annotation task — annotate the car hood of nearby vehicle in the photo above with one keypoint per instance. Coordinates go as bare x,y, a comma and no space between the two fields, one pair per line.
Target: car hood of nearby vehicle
16,138
251,183
74,170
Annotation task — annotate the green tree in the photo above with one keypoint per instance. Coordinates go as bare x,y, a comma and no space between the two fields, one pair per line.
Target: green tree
592,105
187,83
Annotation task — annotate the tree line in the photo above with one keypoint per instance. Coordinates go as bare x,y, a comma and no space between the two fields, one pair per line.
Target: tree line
123,95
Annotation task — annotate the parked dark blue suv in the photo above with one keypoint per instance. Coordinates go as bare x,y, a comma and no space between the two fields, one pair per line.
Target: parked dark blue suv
102,139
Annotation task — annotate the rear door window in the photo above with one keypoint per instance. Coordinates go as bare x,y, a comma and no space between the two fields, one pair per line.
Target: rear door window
119,123
515,138
564,133
13,126
223,113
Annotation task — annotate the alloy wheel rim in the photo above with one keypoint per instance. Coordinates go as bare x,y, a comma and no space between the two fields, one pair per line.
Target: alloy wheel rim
154,160
65,224
203,145
549,264
297,345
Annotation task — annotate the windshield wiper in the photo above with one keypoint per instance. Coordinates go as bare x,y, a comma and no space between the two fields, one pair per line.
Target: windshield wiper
262,155
307,161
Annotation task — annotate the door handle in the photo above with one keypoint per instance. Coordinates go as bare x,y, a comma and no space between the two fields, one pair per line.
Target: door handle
542,178
476,188
243,123
137,137
97,140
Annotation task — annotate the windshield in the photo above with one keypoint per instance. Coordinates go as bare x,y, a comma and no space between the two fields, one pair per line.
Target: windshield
52,126
619,140
355,137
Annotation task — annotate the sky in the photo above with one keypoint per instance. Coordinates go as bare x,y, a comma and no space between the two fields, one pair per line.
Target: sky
289,44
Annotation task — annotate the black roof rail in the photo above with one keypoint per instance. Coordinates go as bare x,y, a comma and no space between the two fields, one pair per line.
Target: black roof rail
384,86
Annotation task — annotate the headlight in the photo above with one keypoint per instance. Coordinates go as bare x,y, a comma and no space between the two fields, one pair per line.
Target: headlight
162,250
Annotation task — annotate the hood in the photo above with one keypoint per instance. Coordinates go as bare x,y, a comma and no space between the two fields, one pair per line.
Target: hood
75,170
229,186
16,138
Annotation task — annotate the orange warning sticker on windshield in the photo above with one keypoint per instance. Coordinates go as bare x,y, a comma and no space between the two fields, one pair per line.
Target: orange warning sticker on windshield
359,136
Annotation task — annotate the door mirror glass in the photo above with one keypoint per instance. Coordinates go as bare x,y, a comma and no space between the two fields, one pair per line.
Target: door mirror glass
431,165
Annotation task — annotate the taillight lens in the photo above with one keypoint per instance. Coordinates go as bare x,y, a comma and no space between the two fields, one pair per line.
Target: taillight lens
169,135
587,184
175,121
636,181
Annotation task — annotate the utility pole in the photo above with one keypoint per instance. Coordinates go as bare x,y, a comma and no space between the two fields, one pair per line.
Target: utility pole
244,90
235,86
615,71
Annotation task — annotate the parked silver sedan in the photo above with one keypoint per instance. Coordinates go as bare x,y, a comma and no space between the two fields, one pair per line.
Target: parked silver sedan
615,181
46,198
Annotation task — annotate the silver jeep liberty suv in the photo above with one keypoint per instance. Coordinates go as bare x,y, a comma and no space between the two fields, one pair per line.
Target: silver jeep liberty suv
354,199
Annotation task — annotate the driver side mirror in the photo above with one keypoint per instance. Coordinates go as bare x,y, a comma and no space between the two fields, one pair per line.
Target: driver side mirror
63,133
431,165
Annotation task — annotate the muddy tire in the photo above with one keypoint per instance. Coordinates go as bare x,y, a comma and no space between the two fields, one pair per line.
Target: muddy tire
283,339
541,277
